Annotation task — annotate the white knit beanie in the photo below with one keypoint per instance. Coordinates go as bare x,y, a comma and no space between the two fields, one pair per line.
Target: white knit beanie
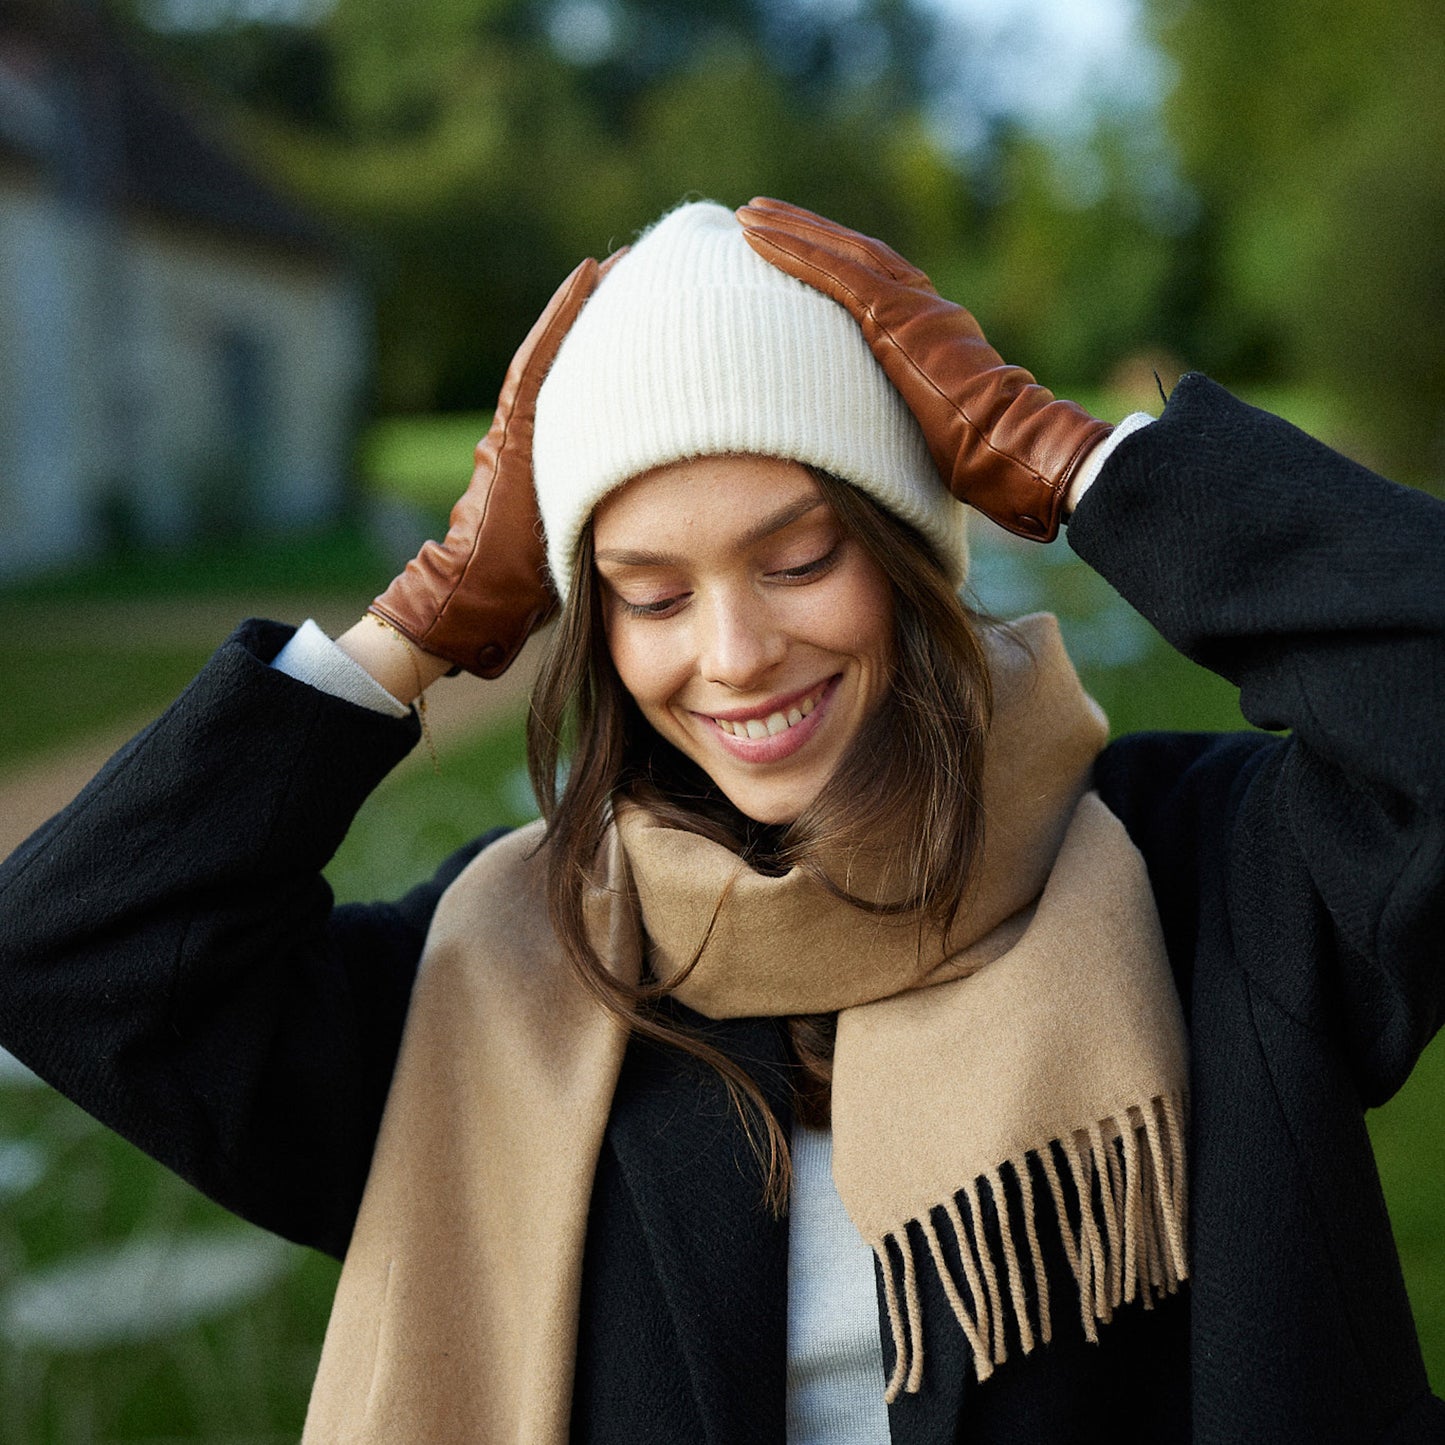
694,346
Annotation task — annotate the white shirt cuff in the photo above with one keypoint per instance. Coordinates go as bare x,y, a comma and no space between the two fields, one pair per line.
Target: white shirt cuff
312,657
1093,464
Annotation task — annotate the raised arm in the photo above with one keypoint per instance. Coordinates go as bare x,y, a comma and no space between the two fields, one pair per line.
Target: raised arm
1318,588
170,956
1315,586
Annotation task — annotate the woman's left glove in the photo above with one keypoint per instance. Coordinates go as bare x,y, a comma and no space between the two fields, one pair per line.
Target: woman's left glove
1000,441
475,597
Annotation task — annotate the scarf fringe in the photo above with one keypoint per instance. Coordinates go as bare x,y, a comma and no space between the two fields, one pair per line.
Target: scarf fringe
1129,1186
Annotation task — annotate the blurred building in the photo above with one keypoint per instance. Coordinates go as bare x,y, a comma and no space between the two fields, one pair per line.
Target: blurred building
181,349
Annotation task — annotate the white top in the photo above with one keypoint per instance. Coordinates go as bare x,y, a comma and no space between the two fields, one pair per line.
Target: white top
835,1351
311,656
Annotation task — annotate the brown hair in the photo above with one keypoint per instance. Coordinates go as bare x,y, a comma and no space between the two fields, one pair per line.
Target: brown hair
912,782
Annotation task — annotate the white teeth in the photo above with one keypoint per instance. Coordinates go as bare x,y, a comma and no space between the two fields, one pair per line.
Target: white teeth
770,726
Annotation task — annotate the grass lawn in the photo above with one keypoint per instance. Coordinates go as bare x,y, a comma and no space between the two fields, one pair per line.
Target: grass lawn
337,559
65,694
88,650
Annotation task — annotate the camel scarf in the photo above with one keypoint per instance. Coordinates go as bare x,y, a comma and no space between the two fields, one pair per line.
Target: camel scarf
1045,1027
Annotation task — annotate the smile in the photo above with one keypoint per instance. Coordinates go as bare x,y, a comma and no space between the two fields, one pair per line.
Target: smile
777,730
773,723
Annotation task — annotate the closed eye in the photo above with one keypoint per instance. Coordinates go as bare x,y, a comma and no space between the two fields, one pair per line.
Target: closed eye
664,607
808,570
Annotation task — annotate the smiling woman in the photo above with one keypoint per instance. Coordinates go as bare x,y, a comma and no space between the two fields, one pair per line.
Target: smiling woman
757,638
861,1048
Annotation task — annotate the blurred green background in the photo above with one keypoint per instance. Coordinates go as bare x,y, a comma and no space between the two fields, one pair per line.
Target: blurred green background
1119,189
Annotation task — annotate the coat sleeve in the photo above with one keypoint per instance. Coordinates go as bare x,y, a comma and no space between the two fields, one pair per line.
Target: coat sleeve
1318,588
171,959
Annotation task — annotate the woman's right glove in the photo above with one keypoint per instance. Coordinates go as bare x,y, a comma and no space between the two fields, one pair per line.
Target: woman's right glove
1000,441
475,597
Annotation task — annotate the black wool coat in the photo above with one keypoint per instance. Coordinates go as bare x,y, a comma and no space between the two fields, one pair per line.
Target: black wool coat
171,958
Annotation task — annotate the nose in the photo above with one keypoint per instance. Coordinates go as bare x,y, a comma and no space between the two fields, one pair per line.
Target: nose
741,641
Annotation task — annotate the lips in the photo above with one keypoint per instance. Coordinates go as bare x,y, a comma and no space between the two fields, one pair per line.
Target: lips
775,731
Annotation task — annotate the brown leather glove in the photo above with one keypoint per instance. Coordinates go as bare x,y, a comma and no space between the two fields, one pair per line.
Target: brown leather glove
1000,441
475,597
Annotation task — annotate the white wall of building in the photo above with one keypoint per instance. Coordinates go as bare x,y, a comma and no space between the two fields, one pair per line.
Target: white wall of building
160,377
48,403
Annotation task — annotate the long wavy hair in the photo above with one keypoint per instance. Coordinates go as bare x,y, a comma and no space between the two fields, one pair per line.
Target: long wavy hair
910,783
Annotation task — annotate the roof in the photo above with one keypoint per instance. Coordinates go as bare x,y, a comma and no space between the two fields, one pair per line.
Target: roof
81,108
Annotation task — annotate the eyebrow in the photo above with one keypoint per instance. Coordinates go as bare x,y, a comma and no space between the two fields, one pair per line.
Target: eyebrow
774,522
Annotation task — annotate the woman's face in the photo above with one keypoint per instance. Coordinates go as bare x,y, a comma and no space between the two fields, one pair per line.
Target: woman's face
754,634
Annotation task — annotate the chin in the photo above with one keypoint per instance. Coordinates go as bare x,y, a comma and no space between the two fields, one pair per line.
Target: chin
776,810
772,817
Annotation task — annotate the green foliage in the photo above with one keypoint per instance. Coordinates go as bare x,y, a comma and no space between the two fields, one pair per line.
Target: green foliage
477,154
1070,288
421,460
1315,139
477,148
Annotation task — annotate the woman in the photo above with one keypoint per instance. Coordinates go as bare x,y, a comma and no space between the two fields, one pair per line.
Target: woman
836,870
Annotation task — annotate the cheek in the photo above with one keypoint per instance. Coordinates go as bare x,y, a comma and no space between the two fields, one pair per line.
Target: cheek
858,620
647,666
877,631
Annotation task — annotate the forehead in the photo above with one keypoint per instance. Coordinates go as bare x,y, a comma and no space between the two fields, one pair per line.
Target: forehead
702,499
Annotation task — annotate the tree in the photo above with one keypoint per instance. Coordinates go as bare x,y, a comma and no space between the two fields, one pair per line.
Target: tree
1315,138
479,147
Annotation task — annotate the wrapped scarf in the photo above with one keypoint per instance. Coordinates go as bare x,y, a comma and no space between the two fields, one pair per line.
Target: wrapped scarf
1044,1027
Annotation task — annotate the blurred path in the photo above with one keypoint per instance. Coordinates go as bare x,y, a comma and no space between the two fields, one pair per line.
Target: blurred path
456,707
